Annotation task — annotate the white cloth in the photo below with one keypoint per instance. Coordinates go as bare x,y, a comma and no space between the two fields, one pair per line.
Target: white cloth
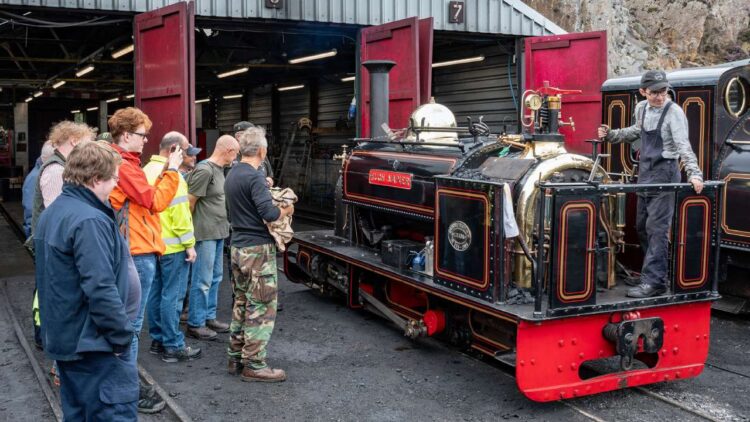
509,217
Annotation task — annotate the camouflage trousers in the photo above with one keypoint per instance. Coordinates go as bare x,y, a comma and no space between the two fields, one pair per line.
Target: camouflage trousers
255,287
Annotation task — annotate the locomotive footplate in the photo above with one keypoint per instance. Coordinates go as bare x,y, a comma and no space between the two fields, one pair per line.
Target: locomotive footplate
630,335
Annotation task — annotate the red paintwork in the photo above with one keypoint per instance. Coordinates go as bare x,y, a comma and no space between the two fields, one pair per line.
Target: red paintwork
549,353
573,61
434,320
390,178
397,41
165,70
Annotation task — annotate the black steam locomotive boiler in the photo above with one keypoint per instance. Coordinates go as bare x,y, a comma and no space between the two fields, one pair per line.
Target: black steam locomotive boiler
716,101
509,245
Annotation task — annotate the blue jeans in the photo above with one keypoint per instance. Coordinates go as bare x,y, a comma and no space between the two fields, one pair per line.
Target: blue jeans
145,265
208,270
165,302
98,387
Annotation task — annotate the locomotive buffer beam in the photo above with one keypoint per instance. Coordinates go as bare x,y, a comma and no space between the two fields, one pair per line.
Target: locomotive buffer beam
630,335
412,328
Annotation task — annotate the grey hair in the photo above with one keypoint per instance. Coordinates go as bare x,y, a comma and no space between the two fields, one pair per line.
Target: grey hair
251,141
169,139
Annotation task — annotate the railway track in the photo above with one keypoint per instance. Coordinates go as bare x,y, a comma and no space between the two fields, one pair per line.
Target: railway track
509,369
174,411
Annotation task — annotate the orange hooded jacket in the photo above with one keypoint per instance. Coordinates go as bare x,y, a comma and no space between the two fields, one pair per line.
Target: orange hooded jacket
145,202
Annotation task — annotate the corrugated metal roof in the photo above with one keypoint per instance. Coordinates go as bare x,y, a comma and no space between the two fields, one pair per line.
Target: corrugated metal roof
511,17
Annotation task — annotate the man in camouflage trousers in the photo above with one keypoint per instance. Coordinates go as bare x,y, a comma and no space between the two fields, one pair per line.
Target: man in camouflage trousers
255,281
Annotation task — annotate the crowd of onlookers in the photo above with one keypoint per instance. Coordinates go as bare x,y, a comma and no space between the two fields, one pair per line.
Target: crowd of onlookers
118,237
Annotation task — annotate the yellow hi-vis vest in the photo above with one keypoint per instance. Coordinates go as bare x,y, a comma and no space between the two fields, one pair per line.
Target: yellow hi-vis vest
176,220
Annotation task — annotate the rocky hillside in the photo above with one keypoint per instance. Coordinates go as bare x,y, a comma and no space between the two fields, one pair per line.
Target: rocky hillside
668,34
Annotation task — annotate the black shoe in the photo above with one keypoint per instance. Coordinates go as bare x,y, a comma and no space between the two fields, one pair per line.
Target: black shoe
156,348
646,290
148,401
633,281
181,355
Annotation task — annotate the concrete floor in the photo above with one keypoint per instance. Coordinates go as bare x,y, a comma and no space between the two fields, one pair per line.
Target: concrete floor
350,365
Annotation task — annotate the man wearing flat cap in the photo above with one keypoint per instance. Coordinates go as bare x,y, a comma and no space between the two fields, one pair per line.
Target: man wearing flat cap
662,129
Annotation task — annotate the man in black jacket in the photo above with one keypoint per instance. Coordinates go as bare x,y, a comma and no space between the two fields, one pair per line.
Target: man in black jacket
254,281
83,280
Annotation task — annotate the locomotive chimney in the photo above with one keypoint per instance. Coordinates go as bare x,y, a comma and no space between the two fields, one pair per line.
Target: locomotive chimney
378,95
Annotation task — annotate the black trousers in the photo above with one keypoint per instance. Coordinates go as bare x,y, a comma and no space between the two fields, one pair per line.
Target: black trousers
652,222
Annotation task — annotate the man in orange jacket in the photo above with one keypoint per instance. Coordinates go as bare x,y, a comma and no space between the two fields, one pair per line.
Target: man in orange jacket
137,204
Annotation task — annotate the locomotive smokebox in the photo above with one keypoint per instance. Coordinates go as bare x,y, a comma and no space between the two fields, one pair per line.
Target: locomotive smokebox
378,95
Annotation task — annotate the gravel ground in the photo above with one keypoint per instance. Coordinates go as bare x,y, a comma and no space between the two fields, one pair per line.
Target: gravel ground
350,365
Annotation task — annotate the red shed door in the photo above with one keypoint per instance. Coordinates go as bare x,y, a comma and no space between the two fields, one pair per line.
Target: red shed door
398,41
165,71
571,61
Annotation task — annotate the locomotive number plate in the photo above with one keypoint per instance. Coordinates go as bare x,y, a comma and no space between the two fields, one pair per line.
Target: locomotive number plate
390,178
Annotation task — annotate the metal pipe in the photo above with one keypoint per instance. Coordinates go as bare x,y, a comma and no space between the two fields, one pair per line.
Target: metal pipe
378,70
717,246
540,256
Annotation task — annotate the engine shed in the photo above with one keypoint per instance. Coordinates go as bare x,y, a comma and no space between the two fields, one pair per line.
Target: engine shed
289,66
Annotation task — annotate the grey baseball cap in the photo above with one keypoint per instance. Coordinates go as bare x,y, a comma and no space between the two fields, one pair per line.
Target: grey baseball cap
654,80
243,125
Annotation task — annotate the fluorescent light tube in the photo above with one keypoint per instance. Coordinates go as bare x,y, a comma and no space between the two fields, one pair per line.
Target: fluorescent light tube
348,79
233,72
202,100
123,51
92,109
458,61
313,57
58,84
112,100
291,87
84,71
130,96
28,99
38,94
75,111
233,96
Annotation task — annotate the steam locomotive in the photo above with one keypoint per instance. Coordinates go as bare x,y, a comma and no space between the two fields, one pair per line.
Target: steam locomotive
716,101
510,245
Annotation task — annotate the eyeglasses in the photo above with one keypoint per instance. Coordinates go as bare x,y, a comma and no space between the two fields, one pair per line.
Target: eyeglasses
656,94
142,135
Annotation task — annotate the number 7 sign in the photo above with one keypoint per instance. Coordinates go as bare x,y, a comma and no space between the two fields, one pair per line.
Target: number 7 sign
456,12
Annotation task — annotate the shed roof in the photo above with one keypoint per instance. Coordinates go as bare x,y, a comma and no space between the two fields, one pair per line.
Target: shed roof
509,17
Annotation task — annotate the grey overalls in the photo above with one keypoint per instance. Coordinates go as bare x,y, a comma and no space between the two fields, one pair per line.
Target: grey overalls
655,210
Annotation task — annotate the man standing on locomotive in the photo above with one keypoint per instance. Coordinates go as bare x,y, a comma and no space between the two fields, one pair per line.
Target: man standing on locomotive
663,130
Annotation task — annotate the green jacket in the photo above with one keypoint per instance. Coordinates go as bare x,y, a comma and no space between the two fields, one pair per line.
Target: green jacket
176,220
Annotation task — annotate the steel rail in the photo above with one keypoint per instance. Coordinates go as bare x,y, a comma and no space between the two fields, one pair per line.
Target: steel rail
38,373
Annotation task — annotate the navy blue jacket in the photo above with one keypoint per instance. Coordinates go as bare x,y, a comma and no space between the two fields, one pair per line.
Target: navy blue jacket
27,196
82,277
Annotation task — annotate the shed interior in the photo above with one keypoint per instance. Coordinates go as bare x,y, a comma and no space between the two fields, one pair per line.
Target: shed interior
304,107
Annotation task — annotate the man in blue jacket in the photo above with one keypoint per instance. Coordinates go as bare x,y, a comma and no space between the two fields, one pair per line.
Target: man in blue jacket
82,273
